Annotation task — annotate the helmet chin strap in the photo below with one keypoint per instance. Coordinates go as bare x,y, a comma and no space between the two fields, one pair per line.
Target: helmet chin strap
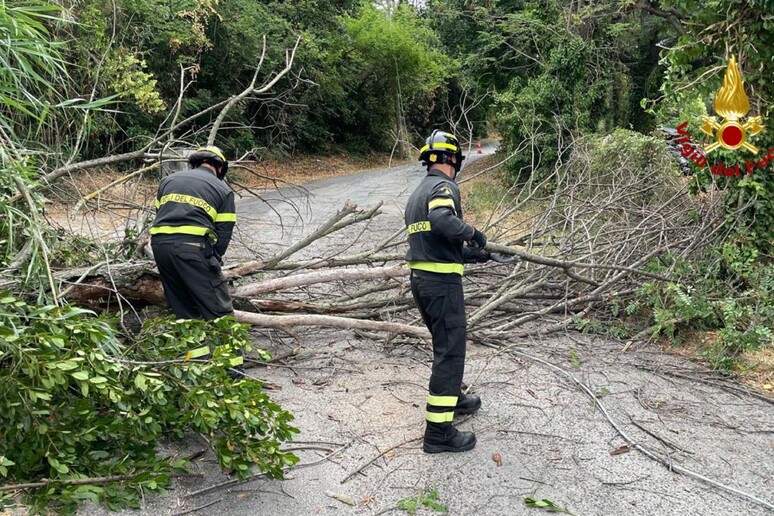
456,166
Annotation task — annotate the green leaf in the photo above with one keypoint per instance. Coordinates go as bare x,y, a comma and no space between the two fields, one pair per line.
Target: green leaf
4,463
574,358
140,382
61,468
67,365
544,504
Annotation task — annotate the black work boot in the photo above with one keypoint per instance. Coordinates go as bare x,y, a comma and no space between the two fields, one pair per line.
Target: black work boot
443,437
467,404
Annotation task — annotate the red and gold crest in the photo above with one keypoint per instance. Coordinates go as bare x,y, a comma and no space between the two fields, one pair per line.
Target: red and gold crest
732,104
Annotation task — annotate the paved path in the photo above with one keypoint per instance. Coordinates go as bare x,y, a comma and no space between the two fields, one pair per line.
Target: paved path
550,439
277,218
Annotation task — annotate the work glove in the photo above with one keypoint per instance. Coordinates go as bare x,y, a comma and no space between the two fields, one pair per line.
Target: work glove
472,254
479,239
503,258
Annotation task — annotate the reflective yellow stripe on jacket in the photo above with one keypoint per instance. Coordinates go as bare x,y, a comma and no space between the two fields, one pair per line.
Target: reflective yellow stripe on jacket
442,203
188,199
182,230
199,203
225,217
443,268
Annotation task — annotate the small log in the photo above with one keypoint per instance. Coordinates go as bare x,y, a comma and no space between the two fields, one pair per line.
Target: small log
291,322
93,291
320,277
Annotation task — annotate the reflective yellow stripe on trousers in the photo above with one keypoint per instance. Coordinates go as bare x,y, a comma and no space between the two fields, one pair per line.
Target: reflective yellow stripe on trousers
441,402
439,417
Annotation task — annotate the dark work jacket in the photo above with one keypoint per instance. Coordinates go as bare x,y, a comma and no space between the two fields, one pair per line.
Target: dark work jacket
436,230
195,203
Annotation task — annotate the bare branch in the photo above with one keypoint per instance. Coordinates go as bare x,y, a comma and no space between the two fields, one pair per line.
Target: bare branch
291,322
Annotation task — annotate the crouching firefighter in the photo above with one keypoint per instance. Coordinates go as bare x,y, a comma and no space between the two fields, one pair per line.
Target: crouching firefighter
436,236
194,221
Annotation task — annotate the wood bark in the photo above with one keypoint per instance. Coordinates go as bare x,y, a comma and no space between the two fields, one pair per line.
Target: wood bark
312,278
292,322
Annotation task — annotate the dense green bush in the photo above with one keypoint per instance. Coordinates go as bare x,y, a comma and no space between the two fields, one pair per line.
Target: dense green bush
600,164
78,402
730,291
563,72
695,64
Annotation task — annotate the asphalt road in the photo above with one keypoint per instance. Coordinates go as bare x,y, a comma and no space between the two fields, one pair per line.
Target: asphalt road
539,435
271,222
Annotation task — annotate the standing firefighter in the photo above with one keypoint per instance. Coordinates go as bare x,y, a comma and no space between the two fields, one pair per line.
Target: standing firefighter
436,235
194,220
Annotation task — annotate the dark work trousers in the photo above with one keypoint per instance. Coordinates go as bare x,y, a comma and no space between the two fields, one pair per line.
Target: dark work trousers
194,285
441,302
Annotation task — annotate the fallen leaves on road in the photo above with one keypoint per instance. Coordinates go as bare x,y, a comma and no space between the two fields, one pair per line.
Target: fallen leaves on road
621,449
366,500
340,497
544,504
497,458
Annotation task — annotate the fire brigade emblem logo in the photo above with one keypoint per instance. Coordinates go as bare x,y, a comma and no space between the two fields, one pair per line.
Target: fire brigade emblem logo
732,104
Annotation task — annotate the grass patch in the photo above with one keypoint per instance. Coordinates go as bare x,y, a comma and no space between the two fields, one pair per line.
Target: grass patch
484,196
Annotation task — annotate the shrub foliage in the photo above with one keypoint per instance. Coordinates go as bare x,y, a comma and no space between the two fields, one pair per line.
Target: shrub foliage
79,402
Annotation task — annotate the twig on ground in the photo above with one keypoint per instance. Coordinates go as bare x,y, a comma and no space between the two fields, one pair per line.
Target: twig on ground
85,481
385,452
199,508
639,447
235,481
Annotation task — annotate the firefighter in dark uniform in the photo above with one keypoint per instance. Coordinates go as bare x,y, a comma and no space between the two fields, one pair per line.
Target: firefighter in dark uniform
194,220
437,250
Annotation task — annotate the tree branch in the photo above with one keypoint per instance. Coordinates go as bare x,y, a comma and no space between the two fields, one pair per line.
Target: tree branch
312,278
291,322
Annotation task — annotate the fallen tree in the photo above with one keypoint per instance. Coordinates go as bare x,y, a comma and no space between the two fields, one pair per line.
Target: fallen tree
593,240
